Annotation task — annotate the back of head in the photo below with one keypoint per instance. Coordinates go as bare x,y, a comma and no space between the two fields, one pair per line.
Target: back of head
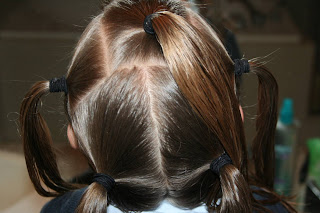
152,112
139,126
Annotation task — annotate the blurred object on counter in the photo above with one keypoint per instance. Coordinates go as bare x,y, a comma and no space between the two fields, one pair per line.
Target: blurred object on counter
314,160
285,144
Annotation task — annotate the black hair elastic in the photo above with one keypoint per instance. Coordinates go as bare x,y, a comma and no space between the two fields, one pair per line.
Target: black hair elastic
219,162
241,66
105,180
58,85
147,25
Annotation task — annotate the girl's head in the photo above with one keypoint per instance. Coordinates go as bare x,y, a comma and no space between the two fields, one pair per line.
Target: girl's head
152,112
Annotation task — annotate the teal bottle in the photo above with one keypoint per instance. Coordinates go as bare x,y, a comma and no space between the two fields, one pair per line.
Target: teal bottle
285,143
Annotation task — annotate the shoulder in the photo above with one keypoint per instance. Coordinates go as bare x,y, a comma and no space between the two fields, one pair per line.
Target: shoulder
69,202
275,208
66,203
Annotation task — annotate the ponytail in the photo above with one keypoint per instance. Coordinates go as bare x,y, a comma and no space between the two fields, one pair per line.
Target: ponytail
37,144
233,186
263,143
94,200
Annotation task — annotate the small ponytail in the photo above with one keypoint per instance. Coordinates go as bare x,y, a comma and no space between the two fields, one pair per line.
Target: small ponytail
263,143
98,192
236,194
235,191
94,200
37,144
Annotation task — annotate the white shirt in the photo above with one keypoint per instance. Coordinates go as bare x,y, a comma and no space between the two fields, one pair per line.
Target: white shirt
166,207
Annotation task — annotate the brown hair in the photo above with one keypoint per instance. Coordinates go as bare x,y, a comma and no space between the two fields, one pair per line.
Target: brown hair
153,112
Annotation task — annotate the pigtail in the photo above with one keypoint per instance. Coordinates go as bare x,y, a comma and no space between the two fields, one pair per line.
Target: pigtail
37,143
267,114
263,143
94,200
231,200
196,61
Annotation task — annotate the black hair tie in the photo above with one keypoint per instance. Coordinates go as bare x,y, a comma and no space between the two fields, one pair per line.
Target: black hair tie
147,25
219,162
105,180
58,85
241,66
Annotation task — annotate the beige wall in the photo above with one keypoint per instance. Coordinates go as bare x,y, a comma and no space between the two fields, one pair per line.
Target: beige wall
37,38
25,59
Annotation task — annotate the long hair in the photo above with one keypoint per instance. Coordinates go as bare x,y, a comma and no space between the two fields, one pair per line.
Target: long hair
153,111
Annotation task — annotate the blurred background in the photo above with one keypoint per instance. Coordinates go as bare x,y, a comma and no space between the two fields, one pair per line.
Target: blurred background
37,38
